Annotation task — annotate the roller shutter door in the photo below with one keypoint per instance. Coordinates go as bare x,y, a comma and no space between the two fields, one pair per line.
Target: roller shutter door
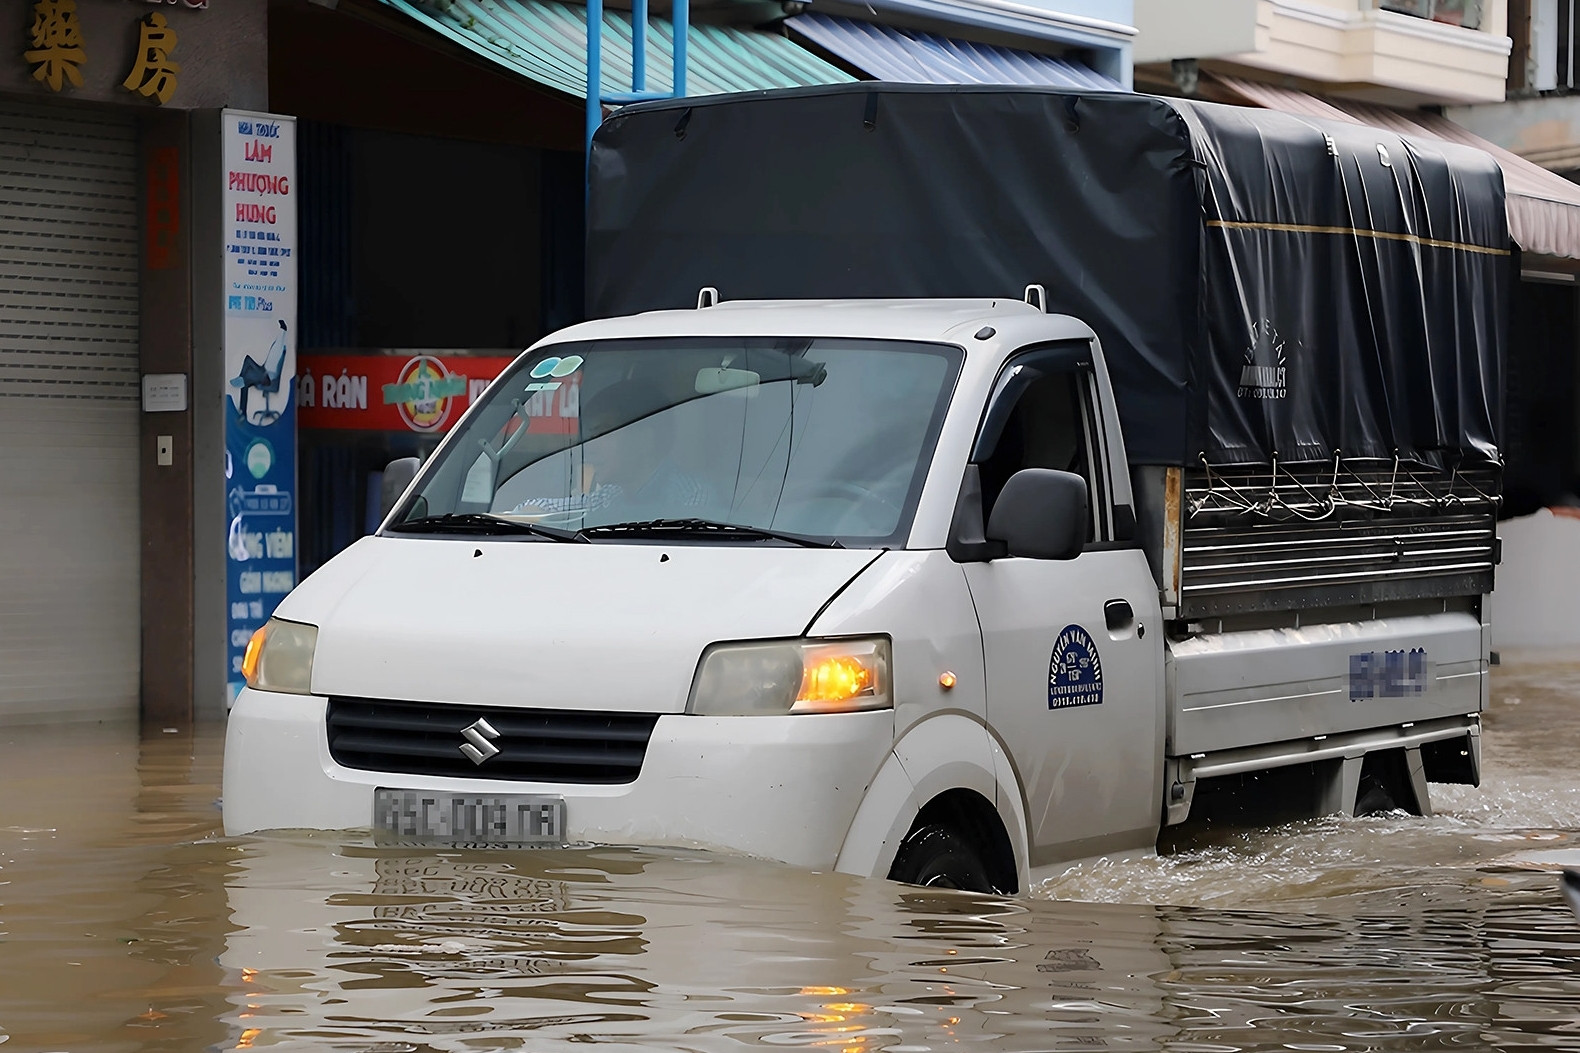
69,405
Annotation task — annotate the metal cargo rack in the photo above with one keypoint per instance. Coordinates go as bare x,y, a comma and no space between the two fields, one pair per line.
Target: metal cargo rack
1258,538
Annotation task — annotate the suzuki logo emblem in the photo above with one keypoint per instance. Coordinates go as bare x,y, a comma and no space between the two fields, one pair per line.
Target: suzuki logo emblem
477,746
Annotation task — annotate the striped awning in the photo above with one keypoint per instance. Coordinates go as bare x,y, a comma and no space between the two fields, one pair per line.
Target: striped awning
908,56
546,42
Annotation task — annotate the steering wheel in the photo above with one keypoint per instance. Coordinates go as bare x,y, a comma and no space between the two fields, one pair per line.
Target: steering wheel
570,518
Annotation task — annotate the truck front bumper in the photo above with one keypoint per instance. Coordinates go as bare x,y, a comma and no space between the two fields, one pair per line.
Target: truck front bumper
782,788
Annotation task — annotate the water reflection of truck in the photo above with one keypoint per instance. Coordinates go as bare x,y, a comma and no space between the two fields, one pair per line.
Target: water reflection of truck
333,943
949,588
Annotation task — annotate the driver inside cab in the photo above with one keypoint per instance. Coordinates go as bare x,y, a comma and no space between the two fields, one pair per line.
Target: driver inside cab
626,462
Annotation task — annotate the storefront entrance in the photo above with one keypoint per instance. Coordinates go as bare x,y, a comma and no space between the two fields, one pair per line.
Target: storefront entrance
69,413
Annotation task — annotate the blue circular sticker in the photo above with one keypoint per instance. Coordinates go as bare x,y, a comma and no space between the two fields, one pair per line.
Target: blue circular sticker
1075,674
556,367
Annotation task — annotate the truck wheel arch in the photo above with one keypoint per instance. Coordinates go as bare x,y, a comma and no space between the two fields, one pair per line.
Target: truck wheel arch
939,769
958,833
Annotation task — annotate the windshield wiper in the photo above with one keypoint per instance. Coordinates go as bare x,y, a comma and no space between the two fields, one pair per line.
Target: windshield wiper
705,528
482,523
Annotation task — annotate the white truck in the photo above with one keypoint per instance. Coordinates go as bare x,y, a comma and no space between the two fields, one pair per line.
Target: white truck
949,589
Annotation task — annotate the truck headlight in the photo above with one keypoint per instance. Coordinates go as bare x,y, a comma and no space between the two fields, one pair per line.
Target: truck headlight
280,657
792,676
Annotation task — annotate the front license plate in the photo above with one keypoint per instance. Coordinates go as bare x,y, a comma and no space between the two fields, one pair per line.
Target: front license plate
516,819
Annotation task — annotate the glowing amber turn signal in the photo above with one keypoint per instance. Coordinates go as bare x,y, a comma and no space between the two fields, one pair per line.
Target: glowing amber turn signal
249,661
780,677
836,678
947,680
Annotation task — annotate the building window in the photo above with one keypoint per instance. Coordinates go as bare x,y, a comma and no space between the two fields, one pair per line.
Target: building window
1544,55
1465,13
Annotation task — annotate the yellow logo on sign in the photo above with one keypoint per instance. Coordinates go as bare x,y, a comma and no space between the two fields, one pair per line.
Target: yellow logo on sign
424,392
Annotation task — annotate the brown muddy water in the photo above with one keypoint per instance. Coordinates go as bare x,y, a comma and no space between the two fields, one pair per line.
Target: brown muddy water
128,923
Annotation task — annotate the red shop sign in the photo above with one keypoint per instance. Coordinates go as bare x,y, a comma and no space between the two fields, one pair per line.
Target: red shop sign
421,393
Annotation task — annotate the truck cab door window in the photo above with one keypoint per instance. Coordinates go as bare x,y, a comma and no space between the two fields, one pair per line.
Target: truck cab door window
1049,425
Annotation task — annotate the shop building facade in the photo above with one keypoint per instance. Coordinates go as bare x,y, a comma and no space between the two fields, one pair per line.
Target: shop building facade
285,194
255,250
96,105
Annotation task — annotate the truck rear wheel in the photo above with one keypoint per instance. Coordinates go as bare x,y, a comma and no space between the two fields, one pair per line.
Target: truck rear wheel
938,857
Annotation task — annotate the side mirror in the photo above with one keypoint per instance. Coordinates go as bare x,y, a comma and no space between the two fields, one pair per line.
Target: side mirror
398,475
1041,514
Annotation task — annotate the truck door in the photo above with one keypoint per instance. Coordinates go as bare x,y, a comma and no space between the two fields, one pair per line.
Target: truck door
1073,647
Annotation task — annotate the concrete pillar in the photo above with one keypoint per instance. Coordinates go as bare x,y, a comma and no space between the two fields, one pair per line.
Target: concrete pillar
166,348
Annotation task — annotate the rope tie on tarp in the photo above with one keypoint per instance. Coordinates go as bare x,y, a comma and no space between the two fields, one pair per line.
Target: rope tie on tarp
1348,487
1199,504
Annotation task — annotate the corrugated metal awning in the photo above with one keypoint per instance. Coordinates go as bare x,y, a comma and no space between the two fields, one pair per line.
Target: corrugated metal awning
1543,207
909,57
546,41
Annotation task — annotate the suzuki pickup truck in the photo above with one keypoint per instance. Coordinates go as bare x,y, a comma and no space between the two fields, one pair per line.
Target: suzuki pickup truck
951,589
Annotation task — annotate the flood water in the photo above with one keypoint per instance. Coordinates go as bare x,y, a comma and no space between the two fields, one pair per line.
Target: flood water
128,923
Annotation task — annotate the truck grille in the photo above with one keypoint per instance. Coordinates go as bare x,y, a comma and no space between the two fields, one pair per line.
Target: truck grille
535,745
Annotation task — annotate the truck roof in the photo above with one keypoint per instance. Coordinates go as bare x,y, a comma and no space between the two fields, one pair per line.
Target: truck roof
947,320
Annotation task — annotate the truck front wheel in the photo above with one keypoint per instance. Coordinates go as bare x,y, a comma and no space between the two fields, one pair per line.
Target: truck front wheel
938,857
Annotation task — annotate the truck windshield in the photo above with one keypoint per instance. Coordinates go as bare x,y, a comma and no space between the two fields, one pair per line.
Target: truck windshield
824,439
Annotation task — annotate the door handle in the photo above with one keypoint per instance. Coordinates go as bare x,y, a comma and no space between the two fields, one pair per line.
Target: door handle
1118,615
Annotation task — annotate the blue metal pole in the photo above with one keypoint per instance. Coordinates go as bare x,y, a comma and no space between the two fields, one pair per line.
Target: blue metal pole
594,70
681,26
638,46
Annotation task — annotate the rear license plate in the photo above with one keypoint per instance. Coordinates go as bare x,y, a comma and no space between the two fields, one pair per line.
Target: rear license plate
516,819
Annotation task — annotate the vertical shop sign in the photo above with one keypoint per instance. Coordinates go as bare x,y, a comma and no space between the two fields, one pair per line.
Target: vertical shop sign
259,221
162,207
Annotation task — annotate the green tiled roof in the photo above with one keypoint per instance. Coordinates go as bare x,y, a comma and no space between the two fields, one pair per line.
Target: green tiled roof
546,41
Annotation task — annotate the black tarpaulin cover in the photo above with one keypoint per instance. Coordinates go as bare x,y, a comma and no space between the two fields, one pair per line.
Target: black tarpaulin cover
1264,285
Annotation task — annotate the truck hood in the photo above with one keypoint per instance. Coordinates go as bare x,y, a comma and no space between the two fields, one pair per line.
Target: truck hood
537,624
